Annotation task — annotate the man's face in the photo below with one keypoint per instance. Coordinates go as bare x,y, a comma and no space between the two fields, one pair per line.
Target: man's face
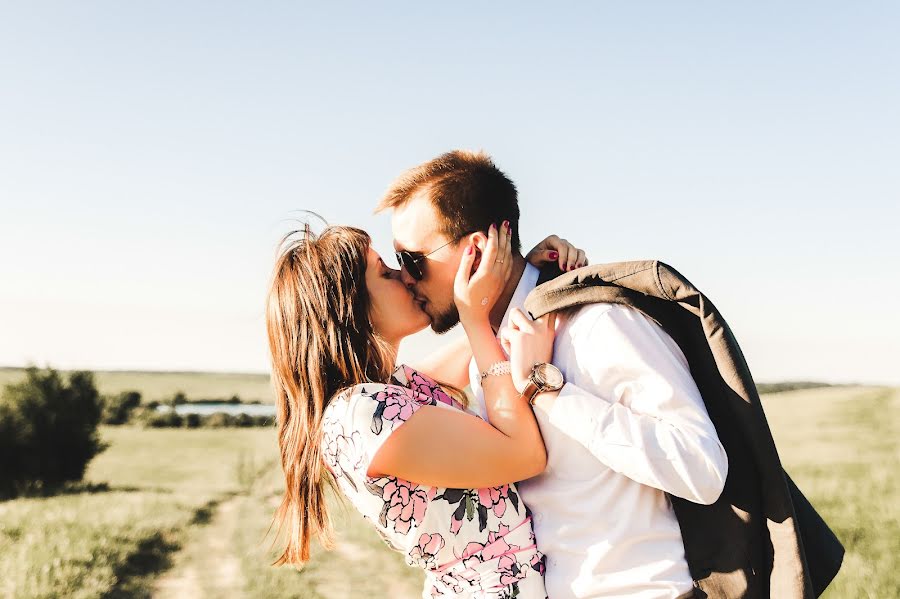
416,230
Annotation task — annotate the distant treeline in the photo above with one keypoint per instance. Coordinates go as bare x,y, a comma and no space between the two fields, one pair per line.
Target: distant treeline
126,408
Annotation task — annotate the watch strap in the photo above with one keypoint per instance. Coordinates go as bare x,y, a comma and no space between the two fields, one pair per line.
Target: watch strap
531,391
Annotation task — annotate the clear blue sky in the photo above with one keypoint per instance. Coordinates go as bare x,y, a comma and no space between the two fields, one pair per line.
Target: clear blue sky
151,153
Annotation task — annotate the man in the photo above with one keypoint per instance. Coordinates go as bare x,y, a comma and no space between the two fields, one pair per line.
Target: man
628,425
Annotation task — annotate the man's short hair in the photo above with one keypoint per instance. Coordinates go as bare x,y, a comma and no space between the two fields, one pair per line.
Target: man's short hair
466,189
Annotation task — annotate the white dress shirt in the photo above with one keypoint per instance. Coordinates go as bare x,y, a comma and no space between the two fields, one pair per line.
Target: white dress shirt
628,427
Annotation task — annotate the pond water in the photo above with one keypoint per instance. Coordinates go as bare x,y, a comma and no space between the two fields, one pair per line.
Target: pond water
204,409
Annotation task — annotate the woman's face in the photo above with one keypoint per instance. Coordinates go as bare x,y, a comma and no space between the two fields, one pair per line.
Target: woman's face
394,312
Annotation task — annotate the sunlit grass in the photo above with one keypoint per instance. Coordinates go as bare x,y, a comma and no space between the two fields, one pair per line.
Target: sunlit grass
154,491
841,448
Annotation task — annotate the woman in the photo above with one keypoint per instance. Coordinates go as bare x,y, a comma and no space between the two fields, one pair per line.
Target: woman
347,417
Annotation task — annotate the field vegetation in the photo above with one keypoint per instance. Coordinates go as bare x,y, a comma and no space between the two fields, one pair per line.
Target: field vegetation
176,513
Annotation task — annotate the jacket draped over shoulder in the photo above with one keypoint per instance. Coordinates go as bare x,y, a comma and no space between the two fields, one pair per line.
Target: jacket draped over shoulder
762,538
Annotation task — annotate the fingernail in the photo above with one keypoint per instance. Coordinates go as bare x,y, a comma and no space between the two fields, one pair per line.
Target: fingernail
493,226
554,255
506,224
470,249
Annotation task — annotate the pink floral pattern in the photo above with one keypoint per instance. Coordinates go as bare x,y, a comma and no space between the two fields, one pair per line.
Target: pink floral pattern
470,542
424,553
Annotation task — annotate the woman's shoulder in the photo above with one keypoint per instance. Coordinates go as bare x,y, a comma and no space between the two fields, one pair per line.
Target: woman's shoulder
367,407
421,383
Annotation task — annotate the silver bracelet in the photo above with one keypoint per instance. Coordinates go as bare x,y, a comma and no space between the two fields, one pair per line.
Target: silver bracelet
496,369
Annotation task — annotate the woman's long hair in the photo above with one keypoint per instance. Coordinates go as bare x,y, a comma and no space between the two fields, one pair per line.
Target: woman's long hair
321,341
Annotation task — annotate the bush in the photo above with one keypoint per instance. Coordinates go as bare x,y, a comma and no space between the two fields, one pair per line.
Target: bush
192,420
167,419
263,421
117,409
48,430
219,420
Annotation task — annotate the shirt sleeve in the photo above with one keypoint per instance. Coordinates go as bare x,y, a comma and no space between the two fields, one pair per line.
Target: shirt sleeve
357,424
636,407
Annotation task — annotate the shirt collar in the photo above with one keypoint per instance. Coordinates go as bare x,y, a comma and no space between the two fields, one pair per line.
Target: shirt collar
526,284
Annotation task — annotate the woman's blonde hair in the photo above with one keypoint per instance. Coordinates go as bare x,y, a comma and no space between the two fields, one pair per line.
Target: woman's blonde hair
321,341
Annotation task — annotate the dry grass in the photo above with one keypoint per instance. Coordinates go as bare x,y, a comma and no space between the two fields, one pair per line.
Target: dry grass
841,447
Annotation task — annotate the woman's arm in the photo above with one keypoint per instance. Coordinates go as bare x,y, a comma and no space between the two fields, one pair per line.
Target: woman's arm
450,363
448,448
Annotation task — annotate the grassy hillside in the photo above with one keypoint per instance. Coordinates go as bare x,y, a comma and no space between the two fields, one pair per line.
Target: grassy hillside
163,385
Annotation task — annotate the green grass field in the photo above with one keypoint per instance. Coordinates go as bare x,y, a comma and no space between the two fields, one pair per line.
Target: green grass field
160,386
183,513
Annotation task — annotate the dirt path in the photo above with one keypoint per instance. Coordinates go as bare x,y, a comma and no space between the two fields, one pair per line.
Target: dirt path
207,566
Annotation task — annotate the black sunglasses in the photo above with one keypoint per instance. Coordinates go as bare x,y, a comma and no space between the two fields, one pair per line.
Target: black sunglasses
410,260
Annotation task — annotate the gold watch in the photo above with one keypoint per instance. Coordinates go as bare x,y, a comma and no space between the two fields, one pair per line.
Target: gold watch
543,377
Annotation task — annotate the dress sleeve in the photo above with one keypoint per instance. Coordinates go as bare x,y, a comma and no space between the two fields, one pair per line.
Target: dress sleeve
421,383
357,424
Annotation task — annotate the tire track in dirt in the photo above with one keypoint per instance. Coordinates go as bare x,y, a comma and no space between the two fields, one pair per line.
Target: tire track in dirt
207,566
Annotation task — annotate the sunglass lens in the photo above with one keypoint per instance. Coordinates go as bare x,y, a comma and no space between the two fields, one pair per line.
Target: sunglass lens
412,267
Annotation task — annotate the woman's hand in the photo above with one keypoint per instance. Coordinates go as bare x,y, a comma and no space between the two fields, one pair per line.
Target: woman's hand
476,293
554,249
527,342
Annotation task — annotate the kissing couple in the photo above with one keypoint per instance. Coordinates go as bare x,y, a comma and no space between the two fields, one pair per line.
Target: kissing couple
612,443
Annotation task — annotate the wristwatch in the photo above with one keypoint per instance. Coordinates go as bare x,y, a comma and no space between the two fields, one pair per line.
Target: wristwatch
543,377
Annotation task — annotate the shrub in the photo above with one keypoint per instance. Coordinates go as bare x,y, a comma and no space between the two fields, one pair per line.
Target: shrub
170,418
219,420
243,420
263,421
117,409
48,430
192,420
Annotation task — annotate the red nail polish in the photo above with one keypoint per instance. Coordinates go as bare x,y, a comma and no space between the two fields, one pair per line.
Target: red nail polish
493,226
506,224
470,249
554,255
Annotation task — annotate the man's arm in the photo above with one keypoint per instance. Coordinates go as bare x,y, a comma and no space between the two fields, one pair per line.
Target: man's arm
635,406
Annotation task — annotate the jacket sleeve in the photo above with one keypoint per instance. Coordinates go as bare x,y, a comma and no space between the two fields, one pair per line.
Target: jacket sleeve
631,401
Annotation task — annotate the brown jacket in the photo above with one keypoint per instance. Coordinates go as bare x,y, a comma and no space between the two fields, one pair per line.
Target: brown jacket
762,538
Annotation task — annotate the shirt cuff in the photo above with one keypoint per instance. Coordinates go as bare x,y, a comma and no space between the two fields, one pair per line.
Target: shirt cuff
578,413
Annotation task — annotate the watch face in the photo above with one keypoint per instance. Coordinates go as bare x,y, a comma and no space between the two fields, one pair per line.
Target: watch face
549,376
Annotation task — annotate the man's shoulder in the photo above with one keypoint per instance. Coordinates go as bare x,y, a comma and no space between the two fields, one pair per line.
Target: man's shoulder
590,314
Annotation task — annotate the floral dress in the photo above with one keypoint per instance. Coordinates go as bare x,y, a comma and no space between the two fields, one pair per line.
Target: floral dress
474,543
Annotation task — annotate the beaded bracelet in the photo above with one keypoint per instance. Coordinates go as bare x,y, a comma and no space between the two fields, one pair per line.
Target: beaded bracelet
496,369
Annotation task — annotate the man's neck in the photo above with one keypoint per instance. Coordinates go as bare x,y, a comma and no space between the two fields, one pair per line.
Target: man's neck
499,309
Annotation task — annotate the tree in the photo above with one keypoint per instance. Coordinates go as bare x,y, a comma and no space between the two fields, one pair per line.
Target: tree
48,430
117,409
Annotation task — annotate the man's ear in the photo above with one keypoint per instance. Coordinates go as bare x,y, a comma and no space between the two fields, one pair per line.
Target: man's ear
478,239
